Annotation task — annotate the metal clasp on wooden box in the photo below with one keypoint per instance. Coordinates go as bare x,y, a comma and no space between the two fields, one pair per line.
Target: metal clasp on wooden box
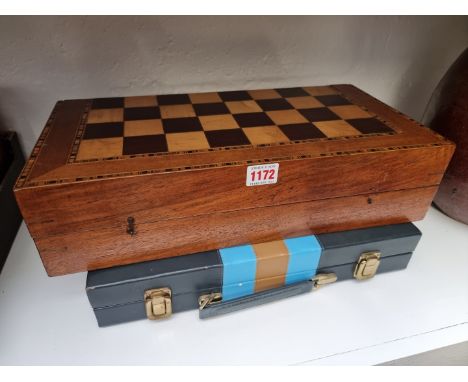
366,266
158,303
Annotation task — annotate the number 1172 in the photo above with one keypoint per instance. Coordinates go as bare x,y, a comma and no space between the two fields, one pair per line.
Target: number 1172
262,175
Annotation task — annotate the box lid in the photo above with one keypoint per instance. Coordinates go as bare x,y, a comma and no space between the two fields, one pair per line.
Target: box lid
95,139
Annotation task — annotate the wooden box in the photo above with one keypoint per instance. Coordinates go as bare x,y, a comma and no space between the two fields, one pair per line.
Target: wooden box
113,181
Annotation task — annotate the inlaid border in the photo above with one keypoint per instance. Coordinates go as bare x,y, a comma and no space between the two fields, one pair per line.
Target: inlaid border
225,164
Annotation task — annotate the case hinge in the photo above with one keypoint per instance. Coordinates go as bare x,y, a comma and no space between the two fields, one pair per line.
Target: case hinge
323,279
366,266
158,303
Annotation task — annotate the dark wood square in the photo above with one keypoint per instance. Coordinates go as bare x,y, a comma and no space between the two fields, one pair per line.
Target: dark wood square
274,104
300,131
222,138
144,144
107,103
173,99
253,119
181,125
292,92
369,125
333,100
239,95
211,108
103,130
319,114
140,113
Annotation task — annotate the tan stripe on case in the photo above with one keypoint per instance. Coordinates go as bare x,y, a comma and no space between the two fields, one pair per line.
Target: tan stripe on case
272,265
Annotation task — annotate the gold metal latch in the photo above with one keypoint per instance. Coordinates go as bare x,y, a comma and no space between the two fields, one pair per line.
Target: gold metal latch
366,266
208,299
158,303
323,279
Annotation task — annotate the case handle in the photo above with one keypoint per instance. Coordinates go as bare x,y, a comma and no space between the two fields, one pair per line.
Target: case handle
211,305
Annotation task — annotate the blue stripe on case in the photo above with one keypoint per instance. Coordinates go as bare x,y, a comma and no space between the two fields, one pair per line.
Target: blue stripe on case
304,256
239,269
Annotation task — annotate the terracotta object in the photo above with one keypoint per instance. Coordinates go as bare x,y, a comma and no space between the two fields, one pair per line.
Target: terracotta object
447,114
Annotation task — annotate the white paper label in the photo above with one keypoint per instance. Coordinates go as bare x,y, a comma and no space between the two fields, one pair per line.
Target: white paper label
262,174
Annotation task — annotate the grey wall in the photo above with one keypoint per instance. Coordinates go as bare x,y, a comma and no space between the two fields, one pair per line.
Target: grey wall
43,59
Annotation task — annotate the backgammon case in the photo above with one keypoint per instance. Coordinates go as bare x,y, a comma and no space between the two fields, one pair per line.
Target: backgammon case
230,279
114,181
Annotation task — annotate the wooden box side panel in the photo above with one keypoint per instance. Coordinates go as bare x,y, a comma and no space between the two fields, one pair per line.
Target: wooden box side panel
104,204
88,250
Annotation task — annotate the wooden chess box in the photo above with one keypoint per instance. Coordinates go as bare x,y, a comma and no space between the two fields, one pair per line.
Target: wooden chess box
114,181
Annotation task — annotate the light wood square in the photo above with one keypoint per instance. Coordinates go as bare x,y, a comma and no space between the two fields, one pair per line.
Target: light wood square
265,134
218,122
264,94
212,97
286,117
177,111
100,148
320,90
337,128
238,107
350,112
140,101
304,102
105,115
195,140
144,127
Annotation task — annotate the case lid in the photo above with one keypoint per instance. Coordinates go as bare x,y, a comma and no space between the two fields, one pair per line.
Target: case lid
346,246
102,138
197,273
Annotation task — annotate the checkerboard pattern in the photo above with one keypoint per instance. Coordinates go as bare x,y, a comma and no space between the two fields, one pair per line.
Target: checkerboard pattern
117,127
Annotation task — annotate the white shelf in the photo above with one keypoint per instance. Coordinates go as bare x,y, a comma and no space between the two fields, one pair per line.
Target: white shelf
49,321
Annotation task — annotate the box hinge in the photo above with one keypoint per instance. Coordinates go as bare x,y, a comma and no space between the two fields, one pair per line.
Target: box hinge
366,266
158,303
323,279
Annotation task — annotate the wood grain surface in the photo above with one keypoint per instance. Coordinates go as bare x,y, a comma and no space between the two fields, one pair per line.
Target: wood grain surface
184,202
102,204
107,247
